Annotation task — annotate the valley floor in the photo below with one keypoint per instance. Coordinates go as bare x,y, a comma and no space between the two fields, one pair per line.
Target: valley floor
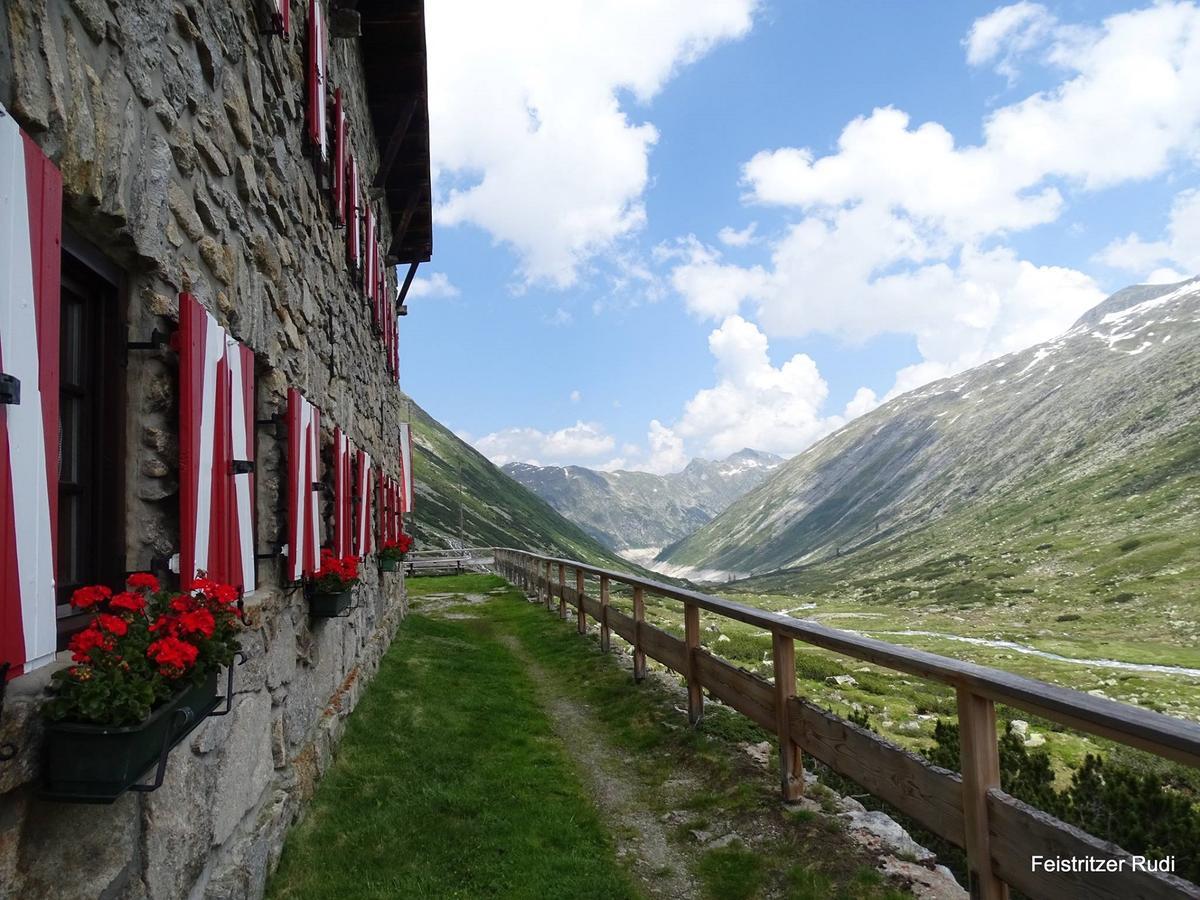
500,754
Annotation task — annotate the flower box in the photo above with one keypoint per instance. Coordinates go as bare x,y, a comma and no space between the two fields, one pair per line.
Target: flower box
97,763
330,605
389,563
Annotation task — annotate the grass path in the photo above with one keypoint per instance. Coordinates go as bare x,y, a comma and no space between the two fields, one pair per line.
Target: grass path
498,754
450,783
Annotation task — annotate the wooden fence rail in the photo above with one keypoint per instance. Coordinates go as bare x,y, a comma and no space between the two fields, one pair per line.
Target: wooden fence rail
1000,834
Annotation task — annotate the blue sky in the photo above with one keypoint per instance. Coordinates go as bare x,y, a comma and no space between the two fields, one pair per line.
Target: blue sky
930,184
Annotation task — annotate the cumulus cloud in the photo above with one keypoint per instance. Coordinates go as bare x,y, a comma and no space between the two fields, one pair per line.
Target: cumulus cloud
577,443
731,237
436,285
902,228
1179,246
1004,35
534,143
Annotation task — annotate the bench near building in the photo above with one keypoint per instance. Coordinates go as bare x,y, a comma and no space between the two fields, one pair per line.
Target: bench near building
202,208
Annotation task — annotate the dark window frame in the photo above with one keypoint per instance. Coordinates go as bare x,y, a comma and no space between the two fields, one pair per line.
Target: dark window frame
98,291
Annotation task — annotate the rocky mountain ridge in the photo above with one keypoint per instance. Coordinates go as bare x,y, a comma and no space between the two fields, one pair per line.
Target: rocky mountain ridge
626,510
1118,388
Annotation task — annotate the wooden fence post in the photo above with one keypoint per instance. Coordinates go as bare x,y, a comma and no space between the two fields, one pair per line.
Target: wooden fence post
639,616
605,638
791,760
979,753
549,587
562,591
691,631
580,613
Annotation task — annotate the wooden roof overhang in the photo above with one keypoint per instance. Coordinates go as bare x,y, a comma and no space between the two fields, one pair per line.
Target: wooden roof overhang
394,62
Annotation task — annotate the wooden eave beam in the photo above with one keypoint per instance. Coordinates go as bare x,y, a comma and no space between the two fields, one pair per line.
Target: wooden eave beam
407,107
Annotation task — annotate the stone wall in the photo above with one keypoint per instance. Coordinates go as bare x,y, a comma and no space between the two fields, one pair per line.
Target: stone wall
178,127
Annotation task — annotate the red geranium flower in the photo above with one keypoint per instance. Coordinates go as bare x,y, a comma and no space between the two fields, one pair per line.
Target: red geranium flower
134,603
174,657
199,621
183,603
82,643
89,596
112,624
142,581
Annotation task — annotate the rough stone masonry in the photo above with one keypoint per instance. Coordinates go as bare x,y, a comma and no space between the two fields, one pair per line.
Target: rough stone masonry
178,128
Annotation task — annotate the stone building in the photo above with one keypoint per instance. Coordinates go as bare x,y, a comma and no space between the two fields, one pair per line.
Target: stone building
203,208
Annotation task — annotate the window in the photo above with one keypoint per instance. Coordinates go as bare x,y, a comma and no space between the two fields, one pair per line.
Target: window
90,545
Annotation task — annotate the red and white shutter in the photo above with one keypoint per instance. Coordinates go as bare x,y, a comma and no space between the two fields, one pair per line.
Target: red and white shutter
239,360
406,472
281,16
203,405
353,235
216,452
30,238
362,512
397,509
381,507
318,60
339,159
369,262
341,493
304,502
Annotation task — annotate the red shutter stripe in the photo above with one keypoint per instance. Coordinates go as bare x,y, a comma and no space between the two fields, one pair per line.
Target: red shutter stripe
339,159
283,16
341,493
304,529
362,542
317,59
202,350
369,262
242,543
30,238
216,426
353,245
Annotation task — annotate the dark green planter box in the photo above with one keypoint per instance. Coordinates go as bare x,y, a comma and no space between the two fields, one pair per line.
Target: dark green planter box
98,763
324,605
389,565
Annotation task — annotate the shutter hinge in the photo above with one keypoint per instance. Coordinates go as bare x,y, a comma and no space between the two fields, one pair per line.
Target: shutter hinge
10,390
158,340
241,466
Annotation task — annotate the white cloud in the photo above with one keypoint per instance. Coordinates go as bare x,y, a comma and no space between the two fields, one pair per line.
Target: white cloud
731,237
666,450
1006,34
1179,246
574,444
713,289
863,401
902,229
436,285
576,396
753,403
533,142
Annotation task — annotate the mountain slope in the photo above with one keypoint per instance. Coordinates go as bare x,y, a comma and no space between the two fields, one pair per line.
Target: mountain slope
1107,409
624,510
496,511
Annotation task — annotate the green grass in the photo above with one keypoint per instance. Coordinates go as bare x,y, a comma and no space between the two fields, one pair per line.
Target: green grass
731,873
450,783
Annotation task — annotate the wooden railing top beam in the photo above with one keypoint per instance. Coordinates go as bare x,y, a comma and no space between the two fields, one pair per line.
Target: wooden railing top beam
1160,734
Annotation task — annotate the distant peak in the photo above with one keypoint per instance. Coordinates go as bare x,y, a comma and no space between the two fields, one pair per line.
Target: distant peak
1129,297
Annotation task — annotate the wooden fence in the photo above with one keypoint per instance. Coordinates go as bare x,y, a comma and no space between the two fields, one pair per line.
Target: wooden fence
1000,834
